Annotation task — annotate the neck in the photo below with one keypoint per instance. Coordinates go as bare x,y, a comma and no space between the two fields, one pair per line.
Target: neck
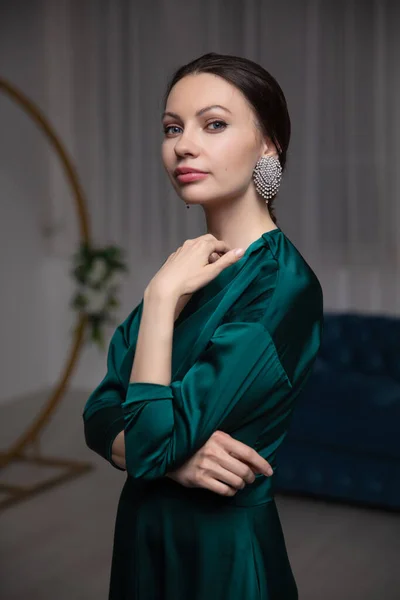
238,223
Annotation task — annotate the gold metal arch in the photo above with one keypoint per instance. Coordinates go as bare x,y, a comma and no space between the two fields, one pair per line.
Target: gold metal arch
30,438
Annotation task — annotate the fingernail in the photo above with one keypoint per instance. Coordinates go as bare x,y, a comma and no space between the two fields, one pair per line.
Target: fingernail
239,251
269,471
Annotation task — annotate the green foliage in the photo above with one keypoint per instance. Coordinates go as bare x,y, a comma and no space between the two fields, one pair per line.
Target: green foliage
96,272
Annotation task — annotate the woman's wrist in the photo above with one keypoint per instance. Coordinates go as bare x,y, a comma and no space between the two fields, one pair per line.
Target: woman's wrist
153,293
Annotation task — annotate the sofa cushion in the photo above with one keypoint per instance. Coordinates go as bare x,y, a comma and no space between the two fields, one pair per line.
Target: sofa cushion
345,409
363,343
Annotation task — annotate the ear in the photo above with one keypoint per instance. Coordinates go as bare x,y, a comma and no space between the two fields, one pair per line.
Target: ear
269,148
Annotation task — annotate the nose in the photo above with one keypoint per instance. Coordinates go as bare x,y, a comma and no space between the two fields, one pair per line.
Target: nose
185,145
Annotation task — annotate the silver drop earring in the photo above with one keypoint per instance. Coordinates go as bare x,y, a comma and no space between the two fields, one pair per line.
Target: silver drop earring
267,176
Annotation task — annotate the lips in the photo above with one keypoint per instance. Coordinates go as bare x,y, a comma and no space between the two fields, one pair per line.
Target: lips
184,170
191,176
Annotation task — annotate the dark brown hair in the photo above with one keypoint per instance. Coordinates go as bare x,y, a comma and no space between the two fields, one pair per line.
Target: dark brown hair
260,89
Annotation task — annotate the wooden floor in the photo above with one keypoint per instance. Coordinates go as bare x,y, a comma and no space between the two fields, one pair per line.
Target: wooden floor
57,546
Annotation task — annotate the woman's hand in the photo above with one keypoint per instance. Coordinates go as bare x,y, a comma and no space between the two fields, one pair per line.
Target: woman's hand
191,268
183,300
223,465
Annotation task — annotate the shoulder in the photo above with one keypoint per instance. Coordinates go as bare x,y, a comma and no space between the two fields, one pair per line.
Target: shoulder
296,277
255,297
285,286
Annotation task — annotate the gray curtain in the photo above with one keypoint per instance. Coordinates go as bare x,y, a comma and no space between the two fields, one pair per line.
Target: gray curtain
108,62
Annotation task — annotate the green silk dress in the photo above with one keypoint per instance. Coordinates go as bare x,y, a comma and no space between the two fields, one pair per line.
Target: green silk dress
243,347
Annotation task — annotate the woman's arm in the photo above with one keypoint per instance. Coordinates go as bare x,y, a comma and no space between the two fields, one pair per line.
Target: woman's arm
213,463
235,380
153,354
102,415
153,310
223,465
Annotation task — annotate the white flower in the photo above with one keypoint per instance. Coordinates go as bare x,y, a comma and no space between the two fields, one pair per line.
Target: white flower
96,300
97,272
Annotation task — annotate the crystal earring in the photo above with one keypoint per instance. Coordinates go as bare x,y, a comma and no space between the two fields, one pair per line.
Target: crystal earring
267,176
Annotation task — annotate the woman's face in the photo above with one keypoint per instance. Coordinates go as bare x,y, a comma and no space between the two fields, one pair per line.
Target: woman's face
222,141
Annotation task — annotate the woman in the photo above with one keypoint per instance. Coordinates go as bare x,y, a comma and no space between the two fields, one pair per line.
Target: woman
203,374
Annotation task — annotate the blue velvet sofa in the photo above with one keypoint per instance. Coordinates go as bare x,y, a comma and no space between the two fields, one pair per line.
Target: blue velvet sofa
343,442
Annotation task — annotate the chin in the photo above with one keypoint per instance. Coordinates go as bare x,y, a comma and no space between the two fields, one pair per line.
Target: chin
196,193
195,197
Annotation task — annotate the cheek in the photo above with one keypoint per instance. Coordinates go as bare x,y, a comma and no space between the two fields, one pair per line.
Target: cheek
237,160
165,154
236,155
168,154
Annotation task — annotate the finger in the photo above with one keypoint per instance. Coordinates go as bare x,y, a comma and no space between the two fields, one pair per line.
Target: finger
218,487
226,476
255,462
219,246
223,262
213,257
235,466
246,454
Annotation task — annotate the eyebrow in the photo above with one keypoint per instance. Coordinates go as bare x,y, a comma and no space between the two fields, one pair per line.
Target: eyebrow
199,112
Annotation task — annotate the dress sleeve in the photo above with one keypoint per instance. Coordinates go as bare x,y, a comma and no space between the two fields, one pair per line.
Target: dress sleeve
236,379
103,416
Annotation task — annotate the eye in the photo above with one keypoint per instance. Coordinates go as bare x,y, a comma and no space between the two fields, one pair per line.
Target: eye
217,123
167,127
